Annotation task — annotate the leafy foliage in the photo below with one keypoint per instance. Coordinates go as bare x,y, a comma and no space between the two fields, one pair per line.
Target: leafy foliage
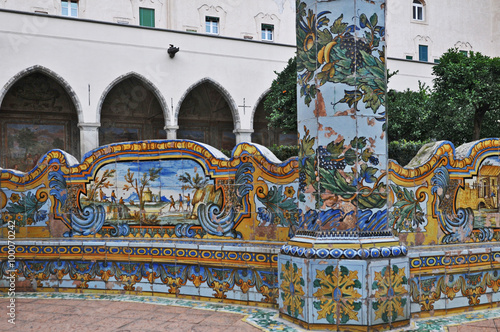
463,106
403,151
466,95
408,114
282,99
99,183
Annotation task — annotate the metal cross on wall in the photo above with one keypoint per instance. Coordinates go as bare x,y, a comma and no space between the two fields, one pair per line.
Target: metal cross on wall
244,106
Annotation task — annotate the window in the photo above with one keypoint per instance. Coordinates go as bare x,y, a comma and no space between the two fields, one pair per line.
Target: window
69,8
423,53
267,32
437,61
409,57
212,25
418,10
147,17
464,52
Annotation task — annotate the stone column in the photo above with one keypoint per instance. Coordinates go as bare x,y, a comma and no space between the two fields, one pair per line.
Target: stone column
243,135
343,269
171,131
89,136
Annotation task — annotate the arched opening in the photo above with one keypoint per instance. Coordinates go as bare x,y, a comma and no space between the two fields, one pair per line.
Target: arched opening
205,116
266,136
131,112
36,115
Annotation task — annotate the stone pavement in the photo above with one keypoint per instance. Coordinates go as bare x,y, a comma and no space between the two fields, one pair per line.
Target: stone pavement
92,312
488,325
78,315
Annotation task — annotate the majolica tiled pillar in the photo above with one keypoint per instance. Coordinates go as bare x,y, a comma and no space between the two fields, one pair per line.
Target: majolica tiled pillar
343,269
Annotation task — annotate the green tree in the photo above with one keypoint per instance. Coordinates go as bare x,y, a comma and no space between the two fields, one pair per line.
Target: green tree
282,99
408,114
465,98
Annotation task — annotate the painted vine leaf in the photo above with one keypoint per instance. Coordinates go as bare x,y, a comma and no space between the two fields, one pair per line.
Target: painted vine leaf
407,214
279,208
331,161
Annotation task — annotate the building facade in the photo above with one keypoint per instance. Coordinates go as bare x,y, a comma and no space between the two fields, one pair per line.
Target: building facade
80,74
420,31
77,75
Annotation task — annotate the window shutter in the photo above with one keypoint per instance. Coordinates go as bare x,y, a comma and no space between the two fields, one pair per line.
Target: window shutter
147,17
423,53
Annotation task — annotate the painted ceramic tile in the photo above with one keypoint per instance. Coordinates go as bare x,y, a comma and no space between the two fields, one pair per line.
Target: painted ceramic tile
372,128
339,295
292,289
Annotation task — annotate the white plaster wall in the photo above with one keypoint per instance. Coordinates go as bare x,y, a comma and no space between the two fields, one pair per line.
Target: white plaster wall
410,73
238,18
96,54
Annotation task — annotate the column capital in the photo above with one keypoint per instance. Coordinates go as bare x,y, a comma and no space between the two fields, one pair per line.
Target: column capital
89,125
242,131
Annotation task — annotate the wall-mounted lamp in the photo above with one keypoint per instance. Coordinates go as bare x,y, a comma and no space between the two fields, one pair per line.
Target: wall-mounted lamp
172,50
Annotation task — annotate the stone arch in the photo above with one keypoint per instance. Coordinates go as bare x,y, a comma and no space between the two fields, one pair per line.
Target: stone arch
222,90
264,135
40,111
41,69
257,103
148,83
131,108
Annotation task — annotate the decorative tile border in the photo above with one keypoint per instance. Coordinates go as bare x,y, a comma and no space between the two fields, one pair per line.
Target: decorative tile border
336,253
233,255
243,284
455,261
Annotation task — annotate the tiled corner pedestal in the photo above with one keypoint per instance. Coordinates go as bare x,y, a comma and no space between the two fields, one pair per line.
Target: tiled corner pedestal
360,286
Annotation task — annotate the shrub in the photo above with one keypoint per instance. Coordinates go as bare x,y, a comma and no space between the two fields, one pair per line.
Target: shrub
403,151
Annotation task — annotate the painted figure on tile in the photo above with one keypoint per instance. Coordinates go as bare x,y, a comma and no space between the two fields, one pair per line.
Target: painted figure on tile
172,203
113,196
180,203
188,201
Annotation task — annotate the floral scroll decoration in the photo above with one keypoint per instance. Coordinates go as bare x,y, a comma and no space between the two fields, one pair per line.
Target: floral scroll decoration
291,289
86,221
390,290
407,214
221,221
427,290
341,53
25,208
457,225
339,299
280,206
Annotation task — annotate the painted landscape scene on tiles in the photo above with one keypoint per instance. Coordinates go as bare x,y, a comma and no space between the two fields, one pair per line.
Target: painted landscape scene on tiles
166,192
